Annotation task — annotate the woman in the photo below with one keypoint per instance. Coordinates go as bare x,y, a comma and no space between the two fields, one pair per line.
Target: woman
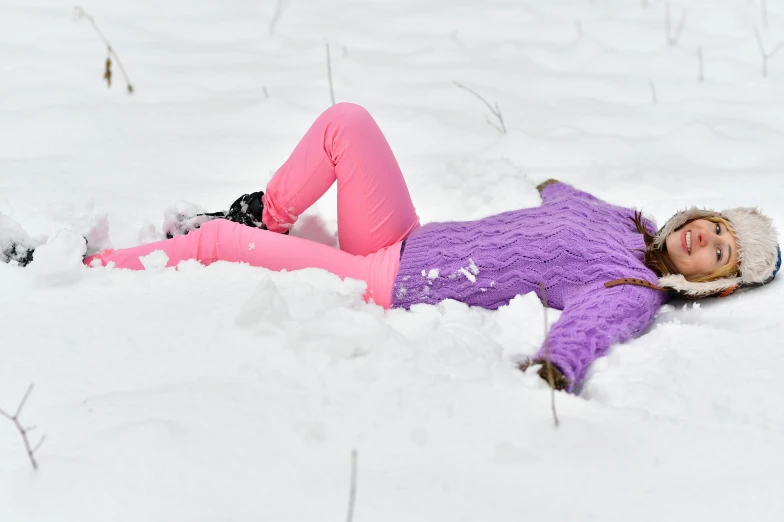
606,267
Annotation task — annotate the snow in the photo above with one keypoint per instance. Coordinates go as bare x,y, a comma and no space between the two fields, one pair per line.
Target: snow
234,393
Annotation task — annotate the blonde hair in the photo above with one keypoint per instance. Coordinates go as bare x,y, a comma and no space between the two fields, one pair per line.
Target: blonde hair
658,260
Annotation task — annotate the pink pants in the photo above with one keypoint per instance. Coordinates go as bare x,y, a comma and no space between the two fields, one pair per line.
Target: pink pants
375,212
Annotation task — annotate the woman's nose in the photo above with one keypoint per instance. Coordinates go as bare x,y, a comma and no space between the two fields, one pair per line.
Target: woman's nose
701,238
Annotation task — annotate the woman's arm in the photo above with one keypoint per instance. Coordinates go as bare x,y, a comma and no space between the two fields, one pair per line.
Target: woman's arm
590,324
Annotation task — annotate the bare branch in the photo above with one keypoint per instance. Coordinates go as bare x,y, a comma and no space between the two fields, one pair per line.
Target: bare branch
79,14
765,13
40,443
700,76
24,400
352,497
276,17
550,377
329,76
765,55
679,29
759,42
495,110
672,39
653,92
24,431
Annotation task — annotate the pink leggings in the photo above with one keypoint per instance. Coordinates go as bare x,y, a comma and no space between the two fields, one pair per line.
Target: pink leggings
375,212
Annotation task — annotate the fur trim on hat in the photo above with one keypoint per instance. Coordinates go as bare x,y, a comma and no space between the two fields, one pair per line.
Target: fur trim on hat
757,244
759,253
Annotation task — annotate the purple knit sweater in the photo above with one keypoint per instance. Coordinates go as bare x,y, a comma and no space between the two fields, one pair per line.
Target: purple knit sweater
573,243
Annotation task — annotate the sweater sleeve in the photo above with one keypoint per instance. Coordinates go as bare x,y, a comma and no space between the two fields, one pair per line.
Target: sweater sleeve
593,321
554,190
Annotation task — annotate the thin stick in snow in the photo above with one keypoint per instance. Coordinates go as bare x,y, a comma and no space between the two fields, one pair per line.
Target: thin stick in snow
80,13
276,16
672,39
653,92
765,14
495,110
766,55
700,76
24,431
329,76
550,377
352,496
579,27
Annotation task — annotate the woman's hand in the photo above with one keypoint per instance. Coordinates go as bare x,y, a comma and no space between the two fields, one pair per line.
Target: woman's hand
541,186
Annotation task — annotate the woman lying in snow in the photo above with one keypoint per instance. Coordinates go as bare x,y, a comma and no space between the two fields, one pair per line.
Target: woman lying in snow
606,267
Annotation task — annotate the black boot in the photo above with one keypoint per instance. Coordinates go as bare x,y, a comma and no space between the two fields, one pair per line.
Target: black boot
246,210
17,252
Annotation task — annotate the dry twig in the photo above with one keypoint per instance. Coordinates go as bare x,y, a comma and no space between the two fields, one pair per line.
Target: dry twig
80,13
672,39
279,7
765,14
24,431
653,92
352,497
495,110
700,76
766,55
329,76
550,376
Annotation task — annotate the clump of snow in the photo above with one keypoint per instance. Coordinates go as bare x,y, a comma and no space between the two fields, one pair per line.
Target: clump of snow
472,267
433,273
156,259
59,260
13,236
183,217
471,277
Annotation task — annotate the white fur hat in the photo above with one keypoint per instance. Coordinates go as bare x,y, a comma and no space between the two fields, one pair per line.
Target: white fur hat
760,256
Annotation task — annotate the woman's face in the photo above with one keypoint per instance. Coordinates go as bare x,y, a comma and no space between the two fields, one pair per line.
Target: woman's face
701,247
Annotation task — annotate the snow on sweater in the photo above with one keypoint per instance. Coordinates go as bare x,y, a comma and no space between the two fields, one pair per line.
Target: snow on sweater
573,243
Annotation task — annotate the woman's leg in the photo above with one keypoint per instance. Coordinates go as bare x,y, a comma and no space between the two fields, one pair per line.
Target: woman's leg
345,144
222,240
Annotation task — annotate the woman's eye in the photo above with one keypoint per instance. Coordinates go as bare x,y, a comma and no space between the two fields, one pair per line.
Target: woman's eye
718,229
718,254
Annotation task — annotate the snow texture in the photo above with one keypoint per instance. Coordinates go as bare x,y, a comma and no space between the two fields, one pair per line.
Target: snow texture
233,393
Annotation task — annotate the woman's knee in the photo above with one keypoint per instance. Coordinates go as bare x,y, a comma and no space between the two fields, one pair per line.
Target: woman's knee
350,111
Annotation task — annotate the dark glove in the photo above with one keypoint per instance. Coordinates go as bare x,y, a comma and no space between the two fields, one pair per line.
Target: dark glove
549,372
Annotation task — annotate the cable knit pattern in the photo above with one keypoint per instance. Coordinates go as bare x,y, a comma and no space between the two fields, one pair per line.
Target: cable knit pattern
573,243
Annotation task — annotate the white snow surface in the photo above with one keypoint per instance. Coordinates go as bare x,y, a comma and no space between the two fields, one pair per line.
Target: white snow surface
232,393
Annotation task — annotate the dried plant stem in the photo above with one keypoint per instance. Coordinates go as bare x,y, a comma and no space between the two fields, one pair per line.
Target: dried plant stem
550,377
276,16
500,127
766,55
765,13
700,75
329,76
25,431
672,39
653,92
80,13
352,496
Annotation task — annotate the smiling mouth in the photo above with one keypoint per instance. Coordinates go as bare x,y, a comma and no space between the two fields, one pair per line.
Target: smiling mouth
688,242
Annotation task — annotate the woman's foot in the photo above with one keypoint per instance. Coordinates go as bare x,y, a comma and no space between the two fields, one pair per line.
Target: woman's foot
16,246
246,210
